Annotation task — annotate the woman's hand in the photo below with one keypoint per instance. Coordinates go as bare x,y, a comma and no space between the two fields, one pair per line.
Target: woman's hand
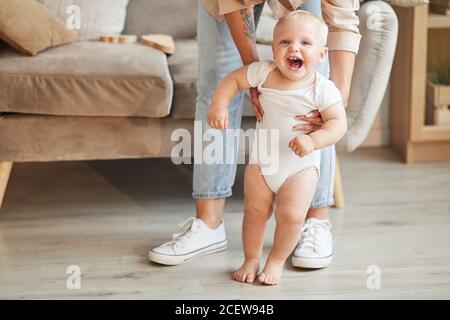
218,117
314,120
254,95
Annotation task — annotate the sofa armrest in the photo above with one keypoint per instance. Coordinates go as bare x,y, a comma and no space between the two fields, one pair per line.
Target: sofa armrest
379,29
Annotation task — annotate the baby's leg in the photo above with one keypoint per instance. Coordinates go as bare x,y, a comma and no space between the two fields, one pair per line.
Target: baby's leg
258,209
294,198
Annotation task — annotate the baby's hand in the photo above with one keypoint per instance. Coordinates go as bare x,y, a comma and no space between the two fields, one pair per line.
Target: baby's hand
302,145
218,118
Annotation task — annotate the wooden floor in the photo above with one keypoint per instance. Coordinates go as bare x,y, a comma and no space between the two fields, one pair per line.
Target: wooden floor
105,215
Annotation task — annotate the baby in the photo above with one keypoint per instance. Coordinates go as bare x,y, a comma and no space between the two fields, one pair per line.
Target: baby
289,86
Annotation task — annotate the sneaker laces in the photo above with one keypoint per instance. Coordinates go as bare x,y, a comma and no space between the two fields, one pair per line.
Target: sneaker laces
311,233
187,228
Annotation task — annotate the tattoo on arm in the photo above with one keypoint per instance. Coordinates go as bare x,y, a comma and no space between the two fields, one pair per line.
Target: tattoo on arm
249,23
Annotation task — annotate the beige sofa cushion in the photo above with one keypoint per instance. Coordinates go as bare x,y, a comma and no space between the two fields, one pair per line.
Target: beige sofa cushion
29,27
87,79
183,66
177,18
47,138
96,17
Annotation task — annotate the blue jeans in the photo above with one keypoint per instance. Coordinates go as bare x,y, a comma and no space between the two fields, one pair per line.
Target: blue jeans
218,56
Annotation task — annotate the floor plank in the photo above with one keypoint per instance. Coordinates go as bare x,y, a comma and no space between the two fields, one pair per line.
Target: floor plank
105,215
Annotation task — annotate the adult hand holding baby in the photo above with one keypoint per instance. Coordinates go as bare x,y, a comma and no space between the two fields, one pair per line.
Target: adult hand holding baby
254,95
314,120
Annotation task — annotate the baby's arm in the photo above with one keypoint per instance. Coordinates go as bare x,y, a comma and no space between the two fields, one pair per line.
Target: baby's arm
224,93
333,129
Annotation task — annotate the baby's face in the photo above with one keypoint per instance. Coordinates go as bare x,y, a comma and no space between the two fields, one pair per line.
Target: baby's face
298,47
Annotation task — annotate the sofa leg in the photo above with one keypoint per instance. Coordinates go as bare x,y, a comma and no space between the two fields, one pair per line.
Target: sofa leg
5,170
338,190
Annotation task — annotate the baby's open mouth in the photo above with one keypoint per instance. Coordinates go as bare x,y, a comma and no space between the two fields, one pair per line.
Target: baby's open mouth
295,62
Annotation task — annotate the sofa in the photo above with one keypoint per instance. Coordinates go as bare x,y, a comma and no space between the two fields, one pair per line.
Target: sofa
91,100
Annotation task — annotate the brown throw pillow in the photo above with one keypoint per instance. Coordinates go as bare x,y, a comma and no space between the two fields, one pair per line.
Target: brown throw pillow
29,27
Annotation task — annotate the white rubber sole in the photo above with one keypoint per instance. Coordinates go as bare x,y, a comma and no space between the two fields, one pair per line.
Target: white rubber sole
311,263
173,260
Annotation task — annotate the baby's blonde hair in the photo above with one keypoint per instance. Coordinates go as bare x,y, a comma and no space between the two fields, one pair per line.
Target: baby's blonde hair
304,14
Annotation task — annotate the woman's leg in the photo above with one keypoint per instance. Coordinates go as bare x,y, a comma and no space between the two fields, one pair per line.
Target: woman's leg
258,209
218,56
318,214
293,201
323,198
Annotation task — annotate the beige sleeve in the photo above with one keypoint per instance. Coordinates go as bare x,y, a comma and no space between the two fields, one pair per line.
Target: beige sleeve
218,8
340,15
228,6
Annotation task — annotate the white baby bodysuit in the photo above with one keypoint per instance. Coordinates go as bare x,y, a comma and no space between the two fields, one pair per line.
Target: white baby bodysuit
276,160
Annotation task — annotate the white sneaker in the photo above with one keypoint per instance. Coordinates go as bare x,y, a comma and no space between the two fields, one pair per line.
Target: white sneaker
194,239
315,248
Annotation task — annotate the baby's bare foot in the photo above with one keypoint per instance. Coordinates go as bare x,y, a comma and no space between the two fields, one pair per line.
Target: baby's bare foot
272,272
247,272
